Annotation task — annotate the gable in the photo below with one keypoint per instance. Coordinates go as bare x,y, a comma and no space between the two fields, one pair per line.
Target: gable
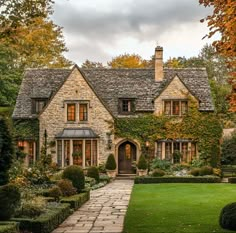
174,90
74,88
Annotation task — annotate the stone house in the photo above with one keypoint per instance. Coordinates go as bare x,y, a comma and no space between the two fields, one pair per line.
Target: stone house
74,110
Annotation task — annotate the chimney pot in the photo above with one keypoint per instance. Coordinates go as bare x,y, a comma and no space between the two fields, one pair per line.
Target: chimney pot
159,70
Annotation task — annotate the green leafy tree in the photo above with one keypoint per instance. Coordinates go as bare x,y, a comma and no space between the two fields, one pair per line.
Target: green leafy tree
10,76
91,65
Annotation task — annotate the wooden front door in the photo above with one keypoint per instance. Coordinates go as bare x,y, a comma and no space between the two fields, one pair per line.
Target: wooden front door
126,155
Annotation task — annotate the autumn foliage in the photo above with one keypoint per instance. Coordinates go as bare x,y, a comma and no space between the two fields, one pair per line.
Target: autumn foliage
223,21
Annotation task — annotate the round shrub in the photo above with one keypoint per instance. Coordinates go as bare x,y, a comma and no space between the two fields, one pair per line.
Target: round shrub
206,170
93,173
142,163
9,200
158,173
111,162
66,187
227,218
55,192
75,174
195,171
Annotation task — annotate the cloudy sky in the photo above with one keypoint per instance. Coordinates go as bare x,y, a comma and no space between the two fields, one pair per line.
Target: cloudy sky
101,29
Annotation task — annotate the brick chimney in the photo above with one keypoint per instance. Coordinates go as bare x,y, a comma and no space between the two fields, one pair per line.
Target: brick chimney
159,74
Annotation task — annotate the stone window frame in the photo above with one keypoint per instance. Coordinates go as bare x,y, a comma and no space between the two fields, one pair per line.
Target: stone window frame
130,106
66,152
77,110
190,149
170,110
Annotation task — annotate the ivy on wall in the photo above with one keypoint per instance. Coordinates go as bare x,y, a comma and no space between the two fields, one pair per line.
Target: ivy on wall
26,129
201,127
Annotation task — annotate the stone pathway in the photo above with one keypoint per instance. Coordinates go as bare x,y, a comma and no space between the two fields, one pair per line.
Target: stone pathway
103,213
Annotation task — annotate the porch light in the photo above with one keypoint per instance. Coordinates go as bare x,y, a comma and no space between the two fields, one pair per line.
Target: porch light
21,144
147,144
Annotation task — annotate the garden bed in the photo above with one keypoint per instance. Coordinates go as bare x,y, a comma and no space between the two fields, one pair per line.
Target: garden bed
46,222
9,227
152,180
77,200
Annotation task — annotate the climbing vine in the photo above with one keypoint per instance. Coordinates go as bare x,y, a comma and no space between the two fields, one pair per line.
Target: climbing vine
26,129
203,128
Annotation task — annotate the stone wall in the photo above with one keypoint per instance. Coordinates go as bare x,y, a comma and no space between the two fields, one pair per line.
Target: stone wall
53,117
175,90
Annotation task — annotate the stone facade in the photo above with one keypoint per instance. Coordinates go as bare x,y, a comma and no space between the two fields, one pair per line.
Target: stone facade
175,90
53,118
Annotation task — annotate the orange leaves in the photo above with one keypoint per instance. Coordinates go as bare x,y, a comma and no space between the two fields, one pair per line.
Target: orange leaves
223,20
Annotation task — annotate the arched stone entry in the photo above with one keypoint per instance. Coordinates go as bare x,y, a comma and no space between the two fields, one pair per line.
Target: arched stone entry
127,153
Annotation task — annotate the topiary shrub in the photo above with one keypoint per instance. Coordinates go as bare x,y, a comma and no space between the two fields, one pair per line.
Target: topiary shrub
227,218
110,163
55,192
158,173
195,171
75,174
142,163
9,200
66,187
206,170
6,151
93,173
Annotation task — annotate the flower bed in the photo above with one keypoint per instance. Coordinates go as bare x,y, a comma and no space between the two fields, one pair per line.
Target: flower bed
151,180
77,200
46,222
9,227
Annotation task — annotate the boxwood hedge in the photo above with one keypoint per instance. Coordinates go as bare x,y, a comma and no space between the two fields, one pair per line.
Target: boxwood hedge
77,200
151,180
46,222
9,227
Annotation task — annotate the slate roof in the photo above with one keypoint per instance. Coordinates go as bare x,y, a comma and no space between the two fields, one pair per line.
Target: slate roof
112,84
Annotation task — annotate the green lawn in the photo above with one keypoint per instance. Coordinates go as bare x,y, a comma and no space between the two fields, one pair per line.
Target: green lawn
177,207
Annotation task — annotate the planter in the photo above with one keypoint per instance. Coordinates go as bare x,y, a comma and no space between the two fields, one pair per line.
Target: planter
111,173
142,172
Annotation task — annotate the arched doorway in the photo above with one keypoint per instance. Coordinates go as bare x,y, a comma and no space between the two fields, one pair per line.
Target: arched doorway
127,153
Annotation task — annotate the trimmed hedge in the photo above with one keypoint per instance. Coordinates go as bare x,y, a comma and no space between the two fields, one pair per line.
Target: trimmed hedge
46,222
232,180
76,201
152,180
9,227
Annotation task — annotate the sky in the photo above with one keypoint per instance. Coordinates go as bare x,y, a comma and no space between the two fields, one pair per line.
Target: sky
99,30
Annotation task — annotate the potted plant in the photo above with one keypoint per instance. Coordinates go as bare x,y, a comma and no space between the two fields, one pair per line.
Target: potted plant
111,166
142,166
77,158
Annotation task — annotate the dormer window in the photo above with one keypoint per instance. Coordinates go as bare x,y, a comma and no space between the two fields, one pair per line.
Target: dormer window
175,107
38,105
126,106
71,112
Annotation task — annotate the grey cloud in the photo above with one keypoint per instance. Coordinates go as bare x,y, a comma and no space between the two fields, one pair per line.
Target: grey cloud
97,25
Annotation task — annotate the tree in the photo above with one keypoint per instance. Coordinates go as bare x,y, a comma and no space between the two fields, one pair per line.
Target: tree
6,151
10,76
223,21
28,38
128,61
91,65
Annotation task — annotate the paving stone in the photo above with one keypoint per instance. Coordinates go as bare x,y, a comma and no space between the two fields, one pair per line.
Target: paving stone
103,213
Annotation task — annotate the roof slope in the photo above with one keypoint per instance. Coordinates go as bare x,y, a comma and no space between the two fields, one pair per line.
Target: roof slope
112,84
37,83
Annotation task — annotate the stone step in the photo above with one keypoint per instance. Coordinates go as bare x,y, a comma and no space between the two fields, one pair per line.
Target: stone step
125,176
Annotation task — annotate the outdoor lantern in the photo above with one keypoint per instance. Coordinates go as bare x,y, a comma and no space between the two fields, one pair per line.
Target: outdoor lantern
147,144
